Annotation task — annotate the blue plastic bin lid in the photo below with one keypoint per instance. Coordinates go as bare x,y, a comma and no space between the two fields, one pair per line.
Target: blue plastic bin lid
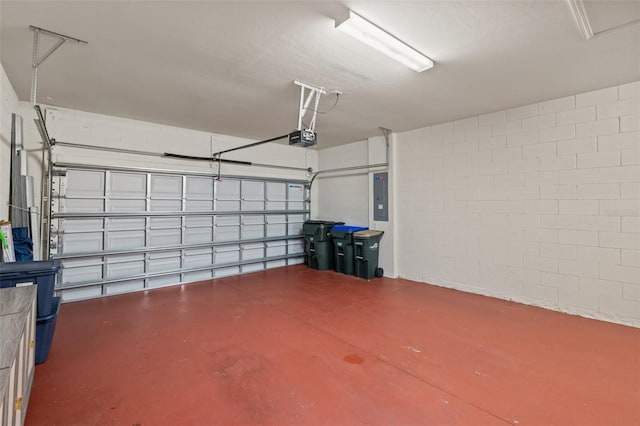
347,228
30,267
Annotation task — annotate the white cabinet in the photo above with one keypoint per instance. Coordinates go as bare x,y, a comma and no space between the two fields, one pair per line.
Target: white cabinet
17,352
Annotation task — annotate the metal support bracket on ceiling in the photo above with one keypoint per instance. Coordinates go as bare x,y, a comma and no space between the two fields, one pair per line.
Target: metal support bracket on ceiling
313,95
37,60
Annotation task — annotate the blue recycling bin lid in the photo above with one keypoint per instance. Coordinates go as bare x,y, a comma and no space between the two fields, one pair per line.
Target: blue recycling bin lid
347,228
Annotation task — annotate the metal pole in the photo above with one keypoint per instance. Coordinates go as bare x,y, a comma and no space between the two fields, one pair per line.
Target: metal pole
170,171
345,169
34,66
170,155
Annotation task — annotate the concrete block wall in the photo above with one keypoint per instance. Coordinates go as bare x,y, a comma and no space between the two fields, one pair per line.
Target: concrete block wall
538,204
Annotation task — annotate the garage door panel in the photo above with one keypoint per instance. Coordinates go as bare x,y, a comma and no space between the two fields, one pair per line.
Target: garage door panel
295,205
253,220
251,205
127,185
199,205
294,229
276,230
226,233
69,295
252,190
121,240
197,276
199,188
124,287
252,251
72,205
162,264
195,259
228,205
253,267
276,191
81,274
126,205
295,247
126,258
124,269
198,235
115,224
166,186
276,205
276,248
226,272
194,221
295,192
227,220
276,264
82,242
164,222
225,255
252,232
164,237
81,225
165,205
163,281
227,189
84,183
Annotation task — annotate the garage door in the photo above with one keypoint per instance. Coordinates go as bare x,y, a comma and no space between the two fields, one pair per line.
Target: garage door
121,230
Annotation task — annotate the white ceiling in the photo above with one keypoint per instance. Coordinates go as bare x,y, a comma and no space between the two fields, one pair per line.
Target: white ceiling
228,67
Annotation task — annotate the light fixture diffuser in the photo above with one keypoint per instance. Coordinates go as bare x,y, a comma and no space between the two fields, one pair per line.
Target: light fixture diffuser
369,33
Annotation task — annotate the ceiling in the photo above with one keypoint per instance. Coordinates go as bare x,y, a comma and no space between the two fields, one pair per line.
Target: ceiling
228,67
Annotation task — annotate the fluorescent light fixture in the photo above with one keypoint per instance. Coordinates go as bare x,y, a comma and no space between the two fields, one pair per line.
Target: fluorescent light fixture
369,33
581,17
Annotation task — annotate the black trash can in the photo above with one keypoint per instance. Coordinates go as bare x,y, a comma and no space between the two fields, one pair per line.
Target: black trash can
342,236
317,243
40,272
366,246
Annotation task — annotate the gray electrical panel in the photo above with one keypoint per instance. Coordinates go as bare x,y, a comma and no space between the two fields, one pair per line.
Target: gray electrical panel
381,196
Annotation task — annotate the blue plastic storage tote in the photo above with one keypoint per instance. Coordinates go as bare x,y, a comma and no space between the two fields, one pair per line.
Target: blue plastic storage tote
45,327
40,272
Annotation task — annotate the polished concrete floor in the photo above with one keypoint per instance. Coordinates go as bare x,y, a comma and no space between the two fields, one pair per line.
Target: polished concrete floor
294,346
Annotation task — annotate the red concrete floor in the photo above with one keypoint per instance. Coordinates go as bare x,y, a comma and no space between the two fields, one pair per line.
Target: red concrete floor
294,346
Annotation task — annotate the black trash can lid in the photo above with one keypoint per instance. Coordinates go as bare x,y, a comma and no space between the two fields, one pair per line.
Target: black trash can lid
323,222
368,234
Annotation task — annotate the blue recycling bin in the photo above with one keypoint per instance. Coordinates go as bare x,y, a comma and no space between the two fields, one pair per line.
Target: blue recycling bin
40,272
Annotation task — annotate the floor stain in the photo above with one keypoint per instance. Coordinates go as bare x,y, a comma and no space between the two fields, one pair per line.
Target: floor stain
353,359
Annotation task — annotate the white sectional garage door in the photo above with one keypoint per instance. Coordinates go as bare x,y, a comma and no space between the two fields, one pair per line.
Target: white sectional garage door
120,230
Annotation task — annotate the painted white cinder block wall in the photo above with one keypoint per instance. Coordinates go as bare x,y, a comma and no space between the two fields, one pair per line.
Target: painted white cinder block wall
538,204
8,105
